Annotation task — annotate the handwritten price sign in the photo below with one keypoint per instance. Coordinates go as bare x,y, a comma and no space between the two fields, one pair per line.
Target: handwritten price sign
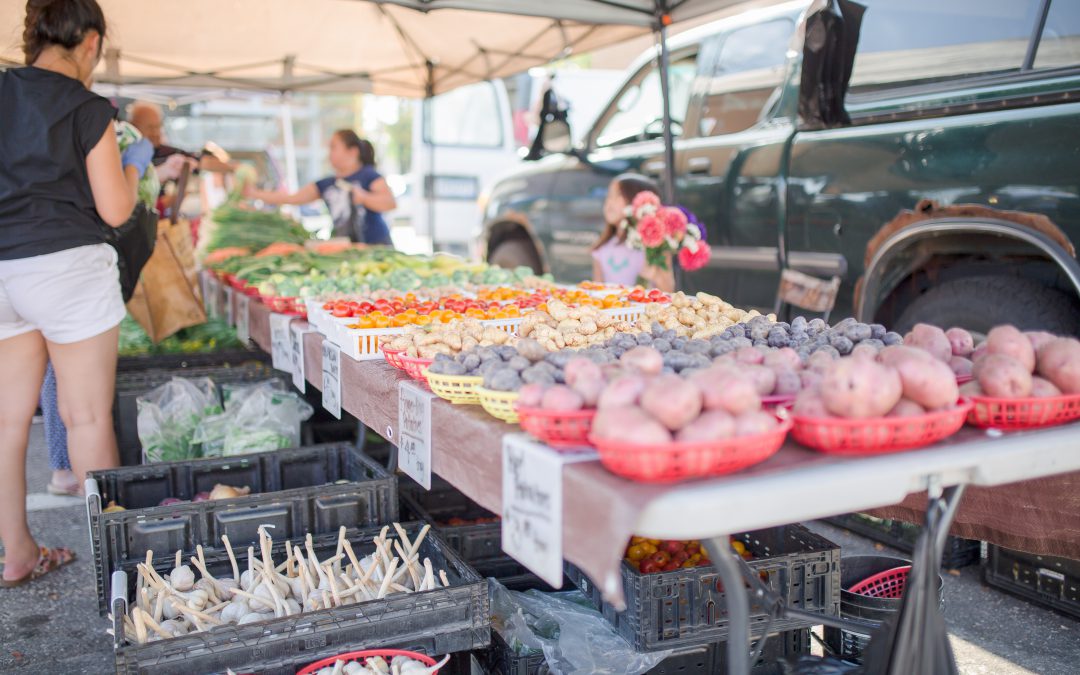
243,317
414,433
331,378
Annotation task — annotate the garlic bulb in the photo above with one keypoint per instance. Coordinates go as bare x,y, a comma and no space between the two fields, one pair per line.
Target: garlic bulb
235,610
182,578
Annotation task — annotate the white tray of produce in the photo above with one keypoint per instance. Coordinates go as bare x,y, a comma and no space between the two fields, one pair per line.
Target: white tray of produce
365,344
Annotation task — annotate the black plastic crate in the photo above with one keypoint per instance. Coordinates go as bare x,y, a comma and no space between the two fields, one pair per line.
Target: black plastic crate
704,660
901,536
685,608
314,489
479,541
440,621
1042,579
228,357
130,386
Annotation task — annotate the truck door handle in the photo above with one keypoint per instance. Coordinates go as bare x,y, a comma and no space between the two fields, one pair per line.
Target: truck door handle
699,165
654,167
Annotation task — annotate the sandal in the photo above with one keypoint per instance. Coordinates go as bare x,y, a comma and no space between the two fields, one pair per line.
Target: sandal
49,560
73,490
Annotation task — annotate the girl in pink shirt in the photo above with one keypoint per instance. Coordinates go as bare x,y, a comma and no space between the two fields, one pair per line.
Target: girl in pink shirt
614,261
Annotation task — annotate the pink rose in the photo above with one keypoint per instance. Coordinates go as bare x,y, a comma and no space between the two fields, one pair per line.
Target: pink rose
651,231
695,259
643,199
674,222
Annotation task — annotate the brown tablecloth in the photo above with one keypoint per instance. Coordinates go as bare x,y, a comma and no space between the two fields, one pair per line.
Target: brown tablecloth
601,509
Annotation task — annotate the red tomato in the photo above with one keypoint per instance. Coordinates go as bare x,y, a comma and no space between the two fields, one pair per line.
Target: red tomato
637,295
366,307
341,310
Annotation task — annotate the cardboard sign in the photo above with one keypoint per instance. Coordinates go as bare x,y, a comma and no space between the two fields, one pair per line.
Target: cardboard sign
296,354
414,433
331,378
230,311
281,342
532,504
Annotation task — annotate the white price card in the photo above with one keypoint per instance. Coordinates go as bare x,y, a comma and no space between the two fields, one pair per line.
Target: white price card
230,313
296,354
414,433
205,281
532,504
331,378
281,342
217,298
243,317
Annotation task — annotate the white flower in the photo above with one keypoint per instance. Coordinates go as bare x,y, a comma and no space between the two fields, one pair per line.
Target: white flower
693,230
646,210
623,224
672,242
633,239
690,244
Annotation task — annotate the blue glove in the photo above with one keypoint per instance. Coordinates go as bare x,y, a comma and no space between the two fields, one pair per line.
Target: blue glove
138,155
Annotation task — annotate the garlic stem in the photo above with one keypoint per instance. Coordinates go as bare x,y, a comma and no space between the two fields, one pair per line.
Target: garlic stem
232,558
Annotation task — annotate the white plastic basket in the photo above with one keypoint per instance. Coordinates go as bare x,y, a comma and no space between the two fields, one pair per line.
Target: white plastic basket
365,344
629,313
511,325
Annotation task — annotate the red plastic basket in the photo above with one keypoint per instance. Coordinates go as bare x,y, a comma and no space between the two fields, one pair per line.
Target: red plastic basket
393,357
778,400
252,291
839,436
558,428
1024,413
329,661
964,379
681,461
414,367
887,584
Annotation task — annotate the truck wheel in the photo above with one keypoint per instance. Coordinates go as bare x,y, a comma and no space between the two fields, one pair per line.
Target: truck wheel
980,303
515,253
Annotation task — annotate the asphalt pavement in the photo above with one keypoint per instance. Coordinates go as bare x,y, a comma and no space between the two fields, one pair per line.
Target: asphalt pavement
52,625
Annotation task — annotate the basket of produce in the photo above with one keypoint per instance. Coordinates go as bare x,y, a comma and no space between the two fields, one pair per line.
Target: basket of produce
557,428
376,661
875,436
499,404
669,461
460,389
1023,413
393,357
415,367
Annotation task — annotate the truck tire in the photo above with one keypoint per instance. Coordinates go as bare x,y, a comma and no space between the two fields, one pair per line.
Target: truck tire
980,303
515,253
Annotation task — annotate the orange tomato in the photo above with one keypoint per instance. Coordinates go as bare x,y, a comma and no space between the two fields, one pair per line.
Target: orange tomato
382,322
422,320
399,320
610,301
365,322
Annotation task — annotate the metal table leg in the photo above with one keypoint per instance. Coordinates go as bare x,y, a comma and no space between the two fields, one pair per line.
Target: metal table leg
738,603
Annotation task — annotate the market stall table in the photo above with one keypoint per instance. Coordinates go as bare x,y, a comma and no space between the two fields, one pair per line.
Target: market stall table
602,511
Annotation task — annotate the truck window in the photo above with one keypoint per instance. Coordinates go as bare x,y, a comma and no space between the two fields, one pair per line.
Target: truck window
466,117
749,67
906,42
637,113
1060,44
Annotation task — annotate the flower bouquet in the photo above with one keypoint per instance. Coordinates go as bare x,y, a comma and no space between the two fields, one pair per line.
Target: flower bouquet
662,230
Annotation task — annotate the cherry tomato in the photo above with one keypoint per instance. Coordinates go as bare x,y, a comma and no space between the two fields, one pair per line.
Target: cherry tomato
635,552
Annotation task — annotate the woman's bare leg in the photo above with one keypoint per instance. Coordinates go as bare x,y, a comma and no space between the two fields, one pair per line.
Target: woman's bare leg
23,364
85,383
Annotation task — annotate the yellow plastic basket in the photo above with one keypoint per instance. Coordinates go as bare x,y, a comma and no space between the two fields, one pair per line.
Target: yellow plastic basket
455,388
499,404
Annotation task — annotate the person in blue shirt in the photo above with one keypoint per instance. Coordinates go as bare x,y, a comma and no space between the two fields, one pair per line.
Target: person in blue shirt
357,194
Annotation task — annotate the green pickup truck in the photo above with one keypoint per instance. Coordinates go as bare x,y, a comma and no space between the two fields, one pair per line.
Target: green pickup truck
952,196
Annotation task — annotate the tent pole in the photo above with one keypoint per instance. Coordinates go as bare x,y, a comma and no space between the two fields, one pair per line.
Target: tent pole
662,21
291,180
428,126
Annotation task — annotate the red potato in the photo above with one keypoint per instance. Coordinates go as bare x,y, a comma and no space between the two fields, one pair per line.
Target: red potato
931,383
1008,340
895,354
787,382
1002,376
755,423
961,341
1038,338
810,379
820,361
589,390
859,389
726,391
864,351
672,401
971,389
581,368
624,391
1059,362
763,378
646,360
629,424
783,358
613,371
930,339
980,351
713,425
531,395
906,408
751,355
810,404
561,397
961,366
1041,388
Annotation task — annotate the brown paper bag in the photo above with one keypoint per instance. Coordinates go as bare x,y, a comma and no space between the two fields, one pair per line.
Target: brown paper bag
167,296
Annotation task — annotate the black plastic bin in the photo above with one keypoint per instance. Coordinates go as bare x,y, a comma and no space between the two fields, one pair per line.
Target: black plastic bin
314,489
901,536
130,386
440,621
1041,579
228,357
685,607
849,645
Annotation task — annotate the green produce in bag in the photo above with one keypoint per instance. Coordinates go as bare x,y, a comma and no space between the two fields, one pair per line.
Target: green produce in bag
149,185
169,415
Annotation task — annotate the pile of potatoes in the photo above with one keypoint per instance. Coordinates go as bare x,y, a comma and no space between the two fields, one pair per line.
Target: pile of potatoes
1015,364
639,404
562,326
447,338
698,317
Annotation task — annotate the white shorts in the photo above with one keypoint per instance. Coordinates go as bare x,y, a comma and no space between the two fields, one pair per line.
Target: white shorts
69,295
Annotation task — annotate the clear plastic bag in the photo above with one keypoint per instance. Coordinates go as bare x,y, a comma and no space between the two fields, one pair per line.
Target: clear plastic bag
257,418
574,637
169,414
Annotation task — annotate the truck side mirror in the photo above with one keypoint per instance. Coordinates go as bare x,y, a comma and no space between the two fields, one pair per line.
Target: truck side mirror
555,137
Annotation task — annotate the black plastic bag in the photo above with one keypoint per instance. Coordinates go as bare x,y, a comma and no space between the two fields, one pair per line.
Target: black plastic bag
134,243
832,36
